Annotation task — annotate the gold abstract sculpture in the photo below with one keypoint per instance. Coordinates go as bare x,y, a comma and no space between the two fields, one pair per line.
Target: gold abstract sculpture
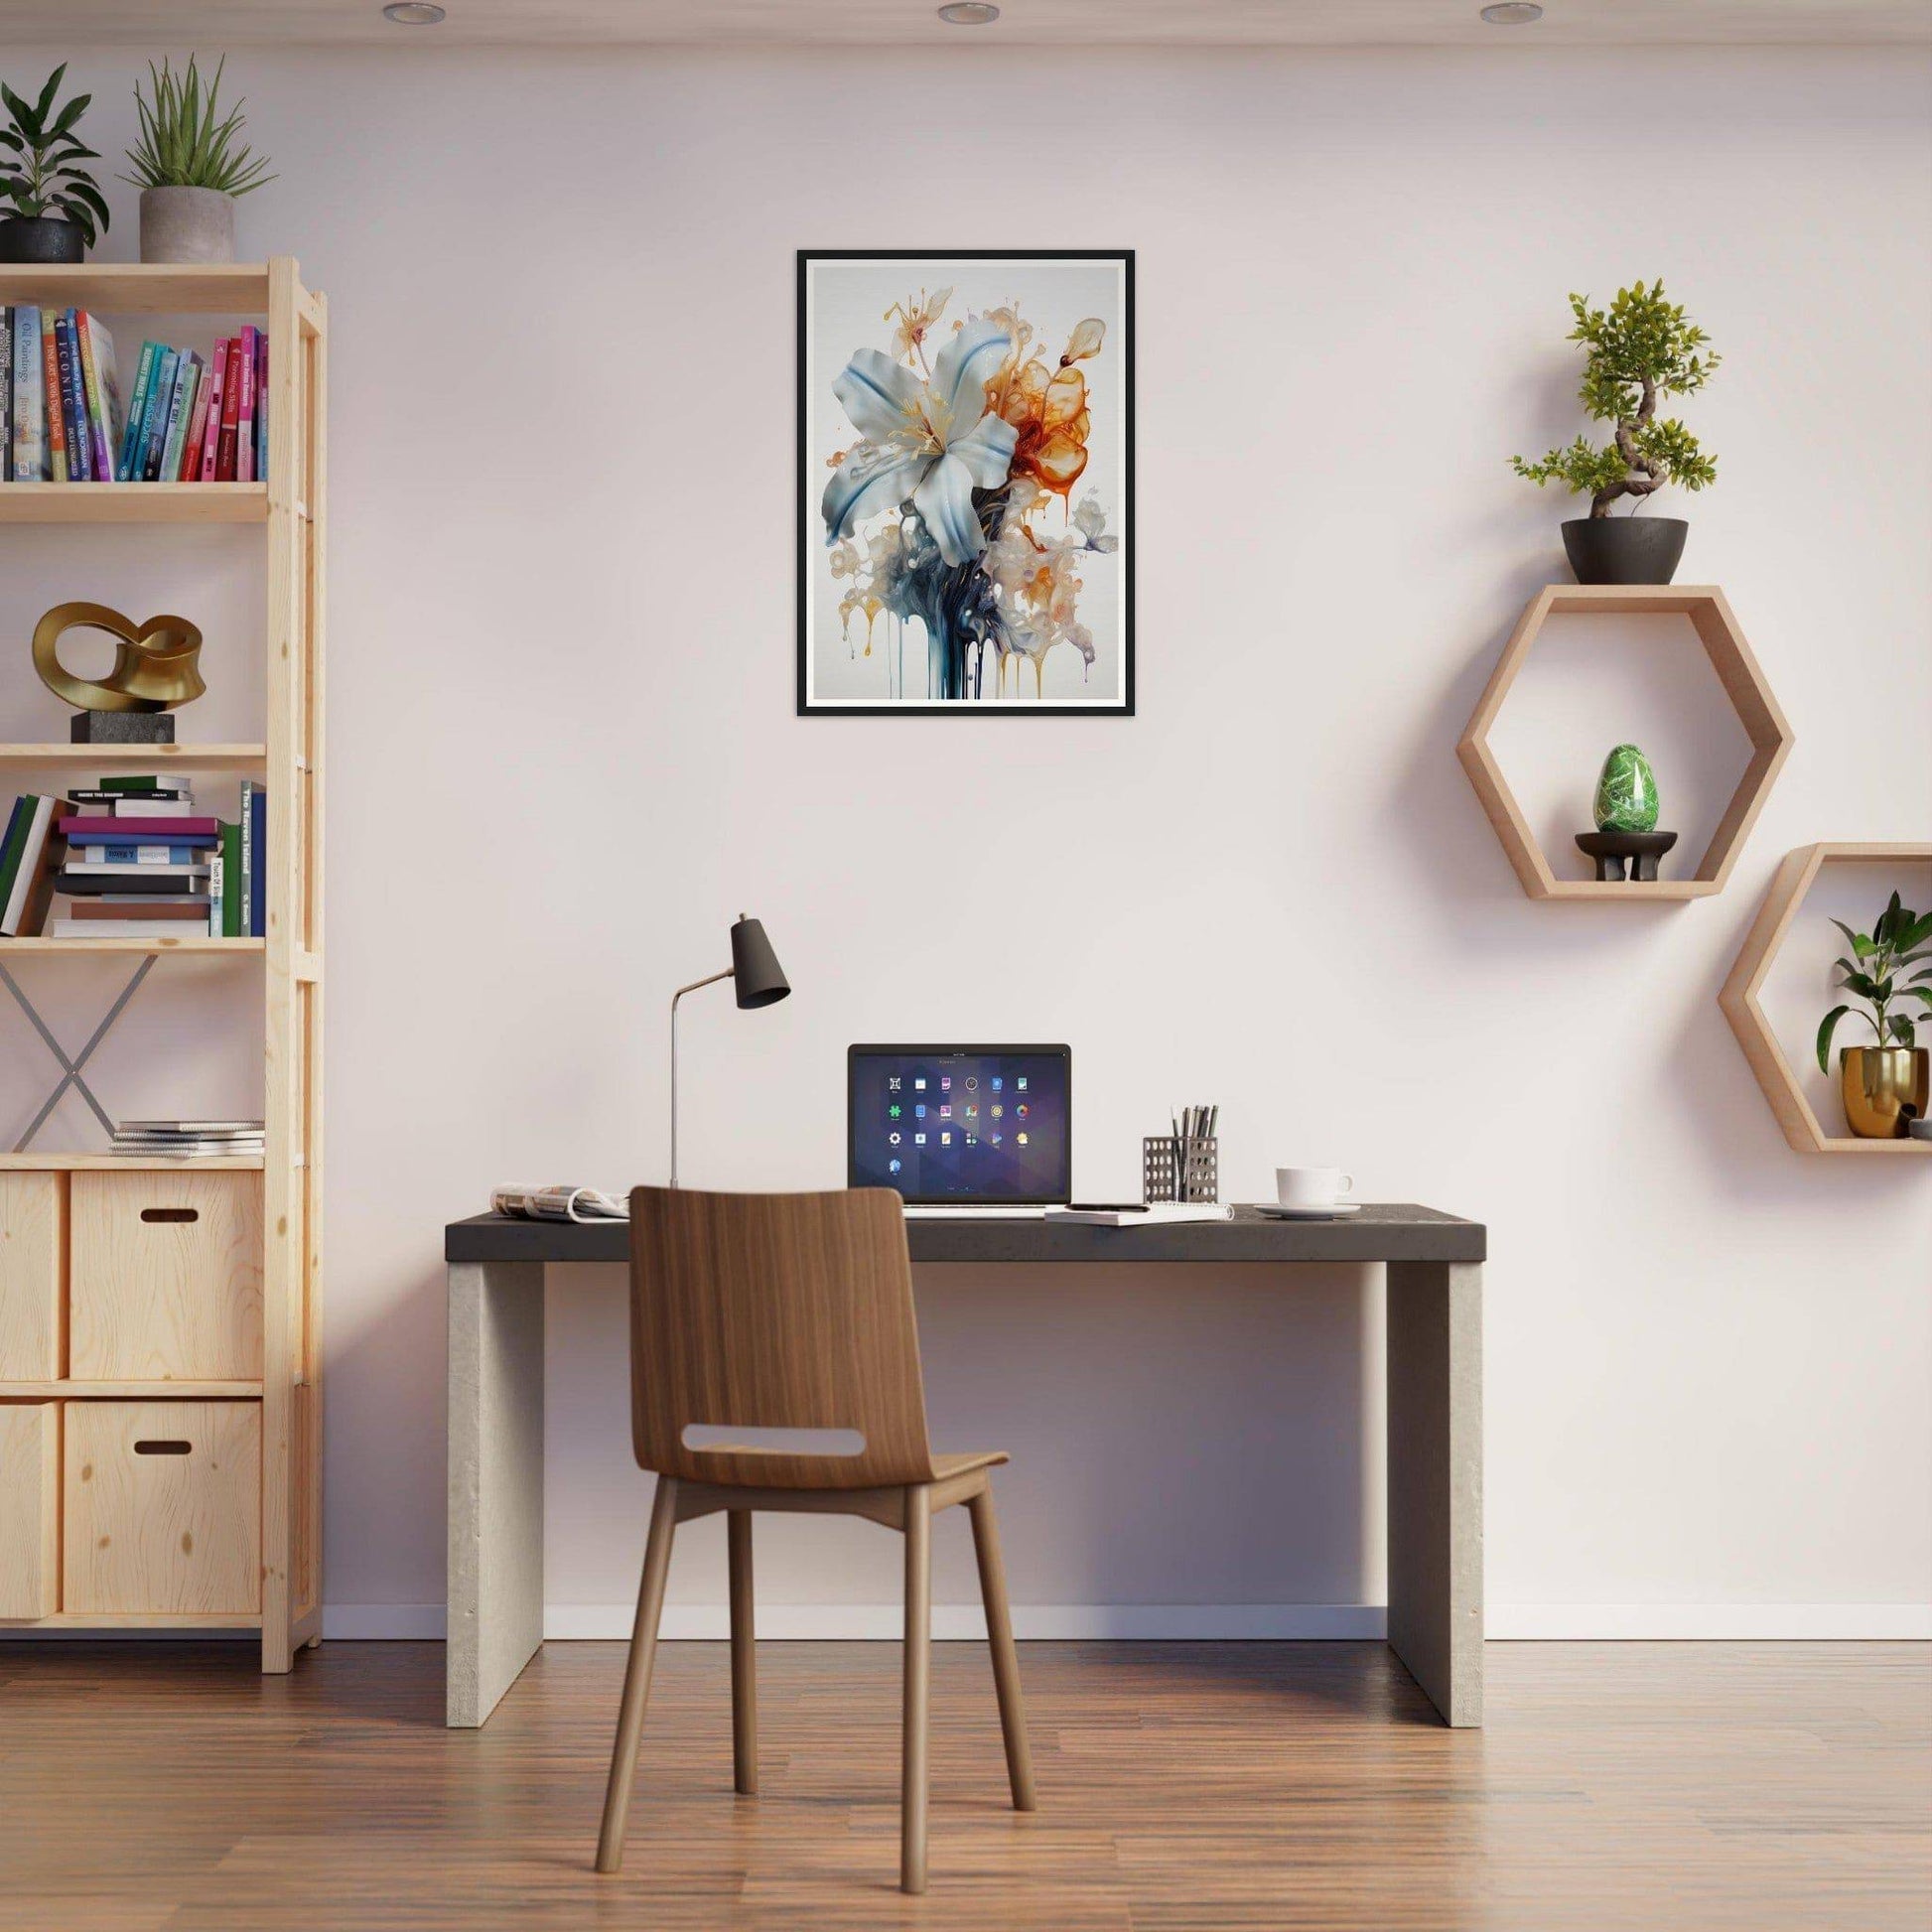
154,662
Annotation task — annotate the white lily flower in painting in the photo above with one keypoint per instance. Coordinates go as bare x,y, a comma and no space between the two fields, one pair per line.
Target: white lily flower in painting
1091,520
929,441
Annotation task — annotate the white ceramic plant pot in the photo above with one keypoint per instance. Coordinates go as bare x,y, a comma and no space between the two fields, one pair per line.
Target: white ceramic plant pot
187,224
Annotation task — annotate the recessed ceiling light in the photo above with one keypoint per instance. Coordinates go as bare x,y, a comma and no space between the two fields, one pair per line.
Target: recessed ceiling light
413,13
1512,13
969,13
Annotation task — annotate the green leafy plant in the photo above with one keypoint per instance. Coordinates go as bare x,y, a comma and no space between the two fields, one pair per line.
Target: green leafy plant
38,152
1900,938
1639,349
183,143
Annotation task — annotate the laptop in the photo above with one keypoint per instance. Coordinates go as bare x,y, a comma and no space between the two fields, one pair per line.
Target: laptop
962,1130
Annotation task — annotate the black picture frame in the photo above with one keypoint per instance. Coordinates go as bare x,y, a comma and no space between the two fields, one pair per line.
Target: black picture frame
806,494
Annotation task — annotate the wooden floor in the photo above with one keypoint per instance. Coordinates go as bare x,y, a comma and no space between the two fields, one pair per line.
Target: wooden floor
1674,1786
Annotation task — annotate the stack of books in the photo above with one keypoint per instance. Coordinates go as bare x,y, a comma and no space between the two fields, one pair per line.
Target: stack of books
187,1139
139,863
189,419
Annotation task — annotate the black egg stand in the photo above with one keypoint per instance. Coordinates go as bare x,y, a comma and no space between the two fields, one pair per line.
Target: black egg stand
1613,850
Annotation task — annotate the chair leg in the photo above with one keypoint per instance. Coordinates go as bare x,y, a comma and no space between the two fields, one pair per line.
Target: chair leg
1006,1660
919,1686
744,1668
636,1676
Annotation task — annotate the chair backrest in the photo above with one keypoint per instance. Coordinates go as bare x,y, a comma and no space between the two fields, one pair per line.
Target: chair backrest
775,1311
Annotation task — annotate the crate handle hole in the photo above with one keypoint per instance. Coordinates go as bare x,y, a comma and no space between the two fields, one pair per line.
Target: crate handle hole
170,1214
162,1447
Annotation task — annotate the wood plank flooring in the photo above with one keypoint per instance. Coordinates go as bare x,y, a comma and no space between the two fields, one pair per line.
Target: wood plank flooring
1680,1786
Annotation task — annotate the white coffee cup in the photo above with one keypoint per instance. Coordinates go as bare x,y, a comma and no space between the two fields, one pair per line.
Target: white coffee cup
1312,1186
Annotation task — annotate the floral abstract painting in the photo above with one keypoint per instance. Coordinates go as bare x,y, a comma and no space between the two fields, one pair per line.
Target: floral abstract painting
966,469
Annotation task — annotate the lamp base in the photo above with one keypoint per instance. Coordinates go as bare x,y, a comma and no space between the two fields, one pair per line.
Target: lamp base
121,728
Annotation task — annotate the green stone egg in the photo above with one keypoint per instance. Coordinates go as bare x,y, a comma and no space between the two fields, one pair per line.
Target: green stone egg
1626,794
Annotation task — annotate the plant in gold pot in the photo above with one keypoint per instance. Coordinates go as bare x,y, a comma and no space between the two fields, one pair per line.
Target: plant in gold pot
1885,1085
188,167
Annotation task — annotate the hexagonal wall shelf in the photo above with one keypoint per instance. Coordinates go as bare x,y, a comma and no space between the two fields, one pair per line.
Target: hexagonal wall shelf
1750,697
1795,878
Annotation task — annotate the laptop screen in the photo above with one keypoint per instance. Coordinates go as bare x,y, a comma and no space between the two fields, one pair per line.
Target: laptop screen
966,1124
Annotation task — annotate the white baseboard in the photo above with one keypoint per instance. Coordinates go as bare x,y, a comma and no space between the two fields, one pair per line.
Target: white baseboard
1710,1622
1507,1622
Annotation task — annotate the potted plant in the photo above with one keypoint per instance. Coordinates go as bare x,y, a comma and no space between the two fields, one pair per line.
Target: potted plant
188,169
51,211
1885,1086
1637,351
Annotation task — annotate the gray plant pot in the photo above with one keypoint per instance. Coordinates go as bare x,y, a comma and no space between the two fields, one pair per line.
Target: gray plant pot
187,224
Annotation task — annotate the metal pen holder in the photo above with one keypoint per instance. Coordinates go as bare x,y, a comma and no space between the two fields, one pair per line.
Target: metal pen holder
1176,1169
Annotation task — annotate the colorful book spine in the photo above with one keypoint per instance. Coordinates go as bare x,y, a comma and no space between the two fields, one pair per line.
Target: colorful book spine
261,405
74,400
224,458
189,467
32,881
218,891
98,373
258,864
245,411
100,831
217,371
30,444
56,422
17,823
5,394
231,896
154,431
137,407
140,855
178,411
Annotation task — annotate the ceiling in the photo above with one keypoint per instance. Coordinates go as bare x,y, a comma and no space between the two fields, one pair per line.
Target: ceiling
1084,22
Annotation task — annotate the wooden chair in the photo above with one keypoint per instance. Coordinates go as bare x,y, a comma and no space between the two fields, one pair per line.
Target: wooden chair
794,1311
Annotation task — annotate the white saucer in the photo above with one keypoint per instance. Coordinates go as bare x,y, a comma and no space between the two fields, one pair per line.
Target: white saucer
1269,1211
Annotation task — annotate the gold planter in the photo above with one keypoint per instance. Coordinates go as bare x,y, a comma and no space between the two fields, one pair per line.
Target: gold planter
1885,1087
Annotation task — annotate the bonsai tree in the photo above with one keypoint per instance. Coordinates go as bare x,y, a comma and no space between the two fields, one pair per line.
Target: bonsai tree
38,151
1637,351
1899,939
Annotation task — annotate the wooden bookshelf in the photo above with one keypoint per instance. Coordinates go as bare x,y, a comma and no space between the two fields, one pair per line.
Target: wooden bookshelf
285,513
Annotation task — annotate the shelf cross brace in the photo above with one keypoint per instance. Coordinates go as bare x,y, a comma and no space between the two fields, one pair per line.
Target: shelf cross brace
72,1075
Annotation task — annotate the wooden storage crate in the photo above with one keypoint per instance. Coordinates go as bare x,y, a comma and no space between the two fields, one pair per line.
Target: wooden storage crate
29,1509
161,1507
33,1271
166,1277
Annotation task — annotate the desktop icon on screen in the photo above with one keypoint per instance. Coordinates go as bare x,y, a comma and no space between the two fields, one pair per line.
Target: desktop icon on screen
1021,1139
919,1083
997,1083
1019,1084
895,1167
945,1139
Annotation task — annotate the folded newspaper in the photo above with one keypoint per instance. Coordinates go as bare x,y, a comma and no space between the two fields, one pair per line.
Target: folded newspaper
558,1204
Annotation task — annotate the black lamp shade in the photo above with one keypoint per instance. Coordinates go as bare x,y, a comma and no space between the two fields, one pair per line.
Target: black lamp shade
757,977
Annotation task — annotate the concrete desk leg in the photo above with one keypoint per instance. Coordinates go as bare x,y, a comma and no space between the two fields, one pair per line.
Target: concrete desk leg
495,1579
1435,1323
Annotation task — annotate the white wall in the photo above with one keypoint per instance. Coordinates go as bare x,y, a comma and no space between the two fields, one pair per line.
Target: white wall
564,756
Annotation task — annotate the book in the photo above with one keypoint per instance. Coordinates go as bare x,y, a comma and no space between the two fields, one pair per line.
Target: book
160,397
33,875
190,465
157,881
137,781
180,831
133,929
30,445
102,383
17,820
117,911
217,371
6,393
245,887
180,409
1154,1214
231,882
135,855
224,454
261,405
73,408
50,400
124,804
258,864
245,468
137,408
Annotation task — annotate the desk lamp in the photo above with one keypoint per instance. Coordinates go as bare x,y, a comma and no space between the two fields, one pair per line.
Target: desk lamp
758,981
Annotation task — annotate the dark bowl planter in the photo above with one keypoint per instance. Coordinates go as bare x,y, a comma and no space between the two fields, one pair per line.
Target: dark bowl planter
1625,549
40,238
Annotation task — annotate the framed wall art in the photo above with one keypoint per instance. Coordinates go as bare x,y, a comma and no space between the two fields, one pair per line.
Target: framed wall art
966,481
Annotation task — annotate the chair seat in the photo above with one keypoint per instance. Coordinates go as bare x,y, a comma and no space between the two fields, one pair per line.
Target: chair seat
964,1464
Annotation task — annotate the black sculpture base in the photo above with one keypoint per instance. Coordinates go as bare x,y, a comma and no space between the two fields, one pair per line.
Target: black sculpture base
122,728
1611,849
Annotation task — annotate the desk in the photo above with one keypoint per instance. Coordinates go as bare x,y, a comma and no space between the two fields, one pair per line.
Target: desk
1435,1412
